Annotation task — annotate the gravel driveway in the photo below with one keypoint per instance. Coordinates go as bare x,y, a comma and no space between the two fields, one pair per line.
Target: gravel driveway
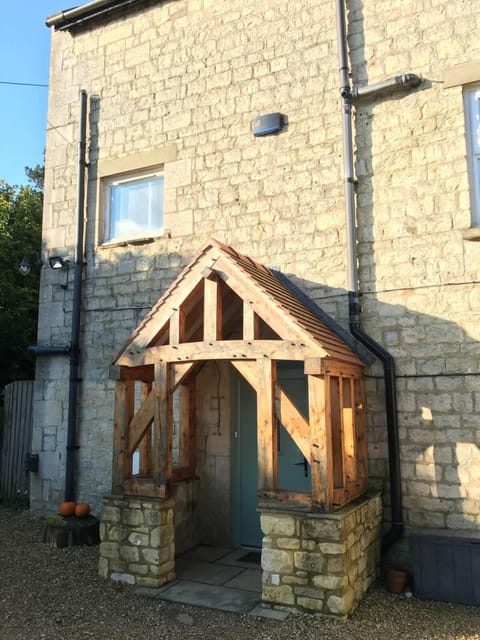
56,594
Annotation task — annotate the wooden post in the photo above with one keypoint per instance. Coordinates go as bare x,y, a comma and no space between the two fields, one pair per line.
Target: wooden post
321,458
162,439
250,322
212,310
267,436
360,432
177,327
335,419
145,445
192,448
181,404
124,407
349,437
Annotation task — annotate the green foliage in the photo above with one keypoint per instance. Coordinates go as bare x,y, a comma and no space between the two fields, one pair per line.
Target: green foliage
20,235
55,521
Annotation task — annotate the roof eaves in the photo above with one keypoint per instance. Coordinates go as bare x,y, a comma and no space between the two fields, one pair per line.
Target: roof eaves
358,349
70,18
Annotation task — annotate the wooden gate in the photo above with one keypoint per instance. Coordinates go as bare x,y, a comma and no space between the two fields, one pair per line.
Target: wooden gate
15,442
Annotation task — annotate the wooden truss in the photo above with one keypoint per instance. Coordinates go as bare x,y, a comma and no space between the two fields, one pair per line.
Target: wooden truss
224,306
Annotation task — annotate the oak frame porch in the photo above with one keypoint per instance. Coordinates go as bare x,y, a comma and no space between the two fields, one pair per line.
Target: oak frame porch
238,312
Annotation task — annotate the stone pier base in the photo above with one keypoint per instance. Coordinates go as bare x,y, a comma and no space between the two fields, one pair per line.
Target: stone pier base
321,563
137,540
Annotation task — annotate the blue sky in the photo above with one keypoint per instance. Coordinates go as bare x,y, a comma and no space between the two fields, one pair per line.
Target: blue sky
24,53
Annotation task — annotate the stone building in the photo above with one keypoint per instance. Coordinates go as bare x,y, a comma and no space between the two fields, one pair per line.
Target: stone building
173,95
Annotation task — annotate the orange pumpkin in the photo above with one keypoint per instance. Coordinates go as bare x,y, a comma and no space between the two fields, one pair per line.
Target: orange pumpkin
82,509
67,508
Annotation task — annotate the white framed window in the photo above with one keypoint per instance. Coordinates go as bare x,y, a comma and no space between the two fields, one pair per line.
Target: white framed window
133,206
472,127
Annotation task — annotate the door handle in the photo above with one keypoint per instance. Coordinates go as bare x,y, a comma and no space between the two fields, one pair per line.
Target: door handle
305,466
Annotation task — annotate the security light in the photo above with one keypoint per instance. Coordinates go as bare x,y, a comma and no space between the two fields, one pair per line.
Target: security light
57,262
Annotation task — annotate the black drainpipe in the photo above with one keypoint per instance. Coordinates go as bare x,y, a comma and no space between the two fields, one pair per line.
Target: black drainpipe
378,351
76,307
390,392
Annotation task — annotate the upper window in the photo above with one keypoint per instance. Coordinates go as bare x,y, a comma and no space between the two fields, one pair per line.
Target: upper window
133,206
472,122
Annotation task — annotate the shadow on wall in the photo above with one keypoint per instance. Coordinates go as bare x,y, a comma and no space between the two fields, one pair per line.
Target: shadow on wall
437,394
435,358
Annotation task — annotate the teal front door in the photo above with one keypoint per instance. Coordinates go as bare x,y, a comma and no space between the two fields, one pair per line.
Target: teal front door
293,469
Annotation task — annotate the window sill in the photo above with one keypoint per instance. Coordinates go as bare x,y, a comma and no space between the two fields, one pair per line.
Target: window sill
127,243
472,234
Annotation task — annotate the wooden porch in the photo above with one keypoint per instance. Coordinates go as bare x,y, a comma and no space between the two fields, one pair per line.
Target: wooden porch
224,306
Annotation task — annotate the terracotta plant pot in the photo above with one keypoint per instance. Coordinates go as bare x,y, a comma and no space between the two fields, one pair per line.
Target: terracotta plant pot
395,579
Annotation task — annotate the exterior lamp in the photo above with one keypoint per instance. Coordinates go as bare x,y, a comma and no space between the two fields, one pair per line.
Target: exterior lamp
25,267
57,262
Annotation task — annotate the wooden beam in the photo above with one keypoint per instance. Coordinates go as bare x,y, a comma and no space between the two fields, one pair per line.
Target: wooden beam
145,487
248,289
285,499
212,310
170,301
250,322
267,436
247,369
141,421
219,350
144,373
293,421
181,473
321,466
181,371
319,366
313,366
192,309
208,272
285,410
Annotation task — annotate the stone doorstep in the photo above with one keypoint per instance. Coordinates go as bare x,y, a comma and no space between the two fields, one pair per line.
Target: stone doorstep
204,595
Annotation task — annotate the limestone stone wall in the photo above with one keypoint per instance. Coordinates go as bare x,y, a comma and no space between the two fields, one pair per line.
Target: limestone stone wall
137,540
184,80
321,563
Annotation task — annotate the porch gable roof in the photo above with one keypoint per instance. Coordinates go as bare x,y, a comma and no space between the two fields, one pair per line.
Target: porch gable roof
264,294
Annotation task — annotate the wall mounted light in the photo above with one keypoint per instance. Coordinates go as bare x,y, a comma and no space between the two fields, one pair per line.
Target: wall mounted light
25,267
57,263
